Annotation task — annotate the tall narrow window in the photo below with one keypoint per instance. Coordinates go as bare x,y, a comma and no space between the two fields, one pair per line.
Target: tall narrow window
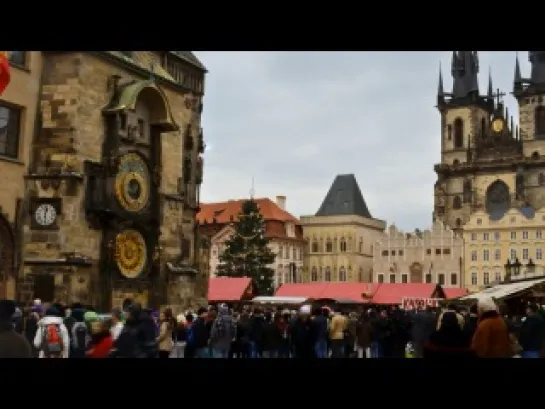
457,202
343,244
9,131
540,123
458,133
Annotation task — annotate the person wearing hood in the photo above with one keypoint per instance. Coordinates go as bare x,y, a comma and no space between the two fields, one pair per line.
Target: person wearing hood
222,333
52,339
12,344
127,344
80,335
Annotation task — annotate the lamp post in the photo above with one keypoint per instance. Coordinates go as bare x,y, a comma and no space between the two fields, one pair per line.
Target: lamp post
530,267
508,269
516,266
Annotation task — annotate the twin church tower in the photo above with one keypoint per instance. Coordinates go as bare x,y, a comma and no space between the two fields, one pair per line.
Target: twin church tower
487,162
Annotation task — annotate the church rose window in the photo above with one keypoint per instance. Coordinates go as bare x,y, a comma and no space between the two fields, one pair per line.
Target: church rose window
498,198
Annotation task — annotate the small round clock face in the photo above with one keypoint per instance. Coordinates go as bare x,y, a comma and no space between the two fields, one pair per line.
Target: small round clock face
132,183
45,215
130,253
497,125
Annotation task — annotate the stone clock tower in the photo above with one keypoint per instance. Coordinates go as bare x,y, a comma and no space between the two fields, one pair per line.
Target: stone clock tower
487,163
113,187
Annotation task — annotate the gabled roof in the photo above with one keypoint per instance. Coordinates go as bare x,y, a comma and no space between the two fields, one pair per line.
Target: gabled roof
344,198
228,288
227,212
189,57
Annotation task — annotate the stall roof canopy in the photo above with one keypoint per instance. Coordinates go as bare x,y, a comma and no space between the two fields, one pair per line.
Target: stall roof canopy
501,291
386,293
227,288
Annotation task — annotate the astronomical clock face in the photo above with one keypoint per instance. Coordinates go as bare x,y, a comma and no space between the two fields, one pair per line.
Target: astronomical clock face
497,125
130,253
132,183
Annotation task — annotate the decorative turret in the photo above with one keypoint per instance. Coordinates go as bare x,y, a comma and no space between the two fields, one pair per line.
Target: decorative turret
465,85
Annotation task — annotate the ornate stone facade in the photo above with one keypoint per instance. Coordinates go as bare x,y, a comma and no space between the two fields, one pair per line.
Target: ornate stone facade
429,256
113,179
487,163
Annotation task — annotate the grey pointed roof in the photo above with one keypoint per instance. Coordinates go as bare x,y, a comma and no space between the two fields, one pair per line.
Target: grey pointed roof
344,198
189,57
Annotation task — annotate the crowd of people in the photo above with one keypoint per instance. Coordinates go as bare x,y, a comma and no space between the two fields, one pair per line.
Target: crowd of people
482,331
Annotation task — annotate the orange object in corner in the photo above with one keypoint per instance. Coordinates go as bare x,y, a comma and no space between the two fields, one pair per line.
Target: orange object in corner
4,71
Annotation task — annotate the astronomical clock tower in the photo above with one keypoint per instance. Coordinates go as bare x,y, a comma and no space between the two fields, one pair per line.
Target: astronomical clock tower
487,163
113,189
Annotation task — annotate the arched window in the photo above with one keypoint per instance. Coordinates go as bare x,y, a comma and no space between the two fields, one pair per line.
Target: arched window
349,244
457,202
540,123
541,179
343,244
349,273
535,155
327,274
361,246
455,163
329,246
280,275
287,275
314,274
458,222
498,198
314,248
458,133
321,246
335,248
342,274
281,252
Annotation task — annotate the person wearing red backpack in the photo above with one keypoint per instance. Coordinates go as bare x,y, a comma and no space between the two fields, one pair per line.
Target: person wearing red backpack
52,339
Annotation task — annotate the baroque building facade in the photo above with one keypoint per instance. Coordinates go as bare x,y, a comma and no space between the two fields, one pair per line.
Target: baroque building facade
112,179
340,235
429,256
216,225
491,245
487,163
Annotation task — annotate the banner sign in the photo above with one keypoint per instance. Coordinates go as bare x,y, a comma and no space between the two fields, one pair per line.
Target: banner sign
419,303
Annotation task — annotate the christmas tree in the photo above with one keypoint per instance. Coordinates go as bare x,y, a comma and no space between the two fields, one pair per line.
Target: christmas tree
247,253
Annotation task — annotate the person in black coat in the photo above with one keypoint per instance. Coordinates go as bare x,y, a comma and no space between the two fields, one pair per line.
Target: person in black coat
302,334
272,337
471,322
256,333
201,334
449,341
532,333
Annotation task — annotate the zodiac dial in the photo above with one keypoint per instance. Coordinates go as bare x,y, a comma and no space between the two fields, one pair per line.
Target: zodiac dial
130,253
132,183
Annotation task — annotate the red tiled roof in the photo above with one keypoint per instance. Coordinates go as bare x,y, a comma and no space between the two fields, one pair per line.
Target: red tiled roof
227,288
455,292
223,212
386,293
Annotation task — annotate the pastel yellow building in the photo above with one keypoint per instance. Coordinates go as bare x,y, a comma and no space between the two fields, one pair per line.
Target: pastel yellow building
489,242
430,256
341,235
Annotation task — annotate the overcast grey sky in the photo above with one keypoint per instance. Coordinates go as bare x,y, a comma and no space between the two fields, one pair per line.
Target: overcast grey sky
294,120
